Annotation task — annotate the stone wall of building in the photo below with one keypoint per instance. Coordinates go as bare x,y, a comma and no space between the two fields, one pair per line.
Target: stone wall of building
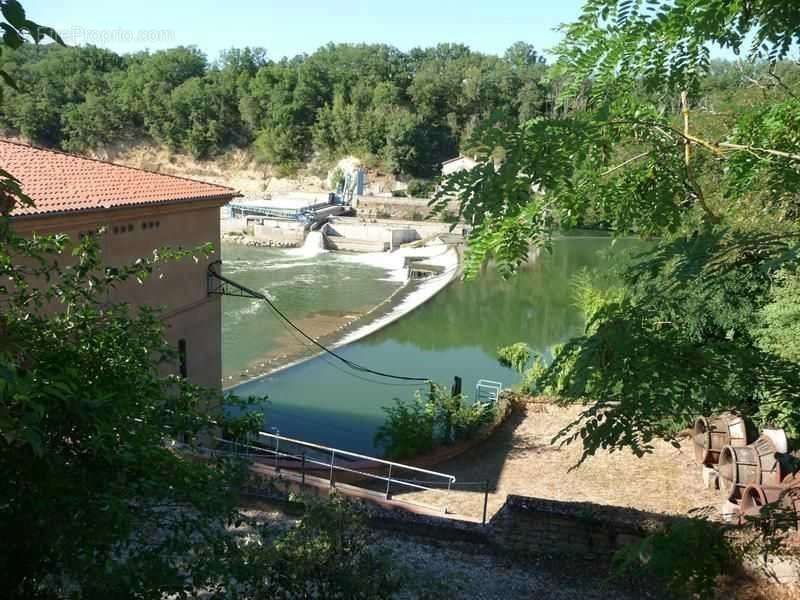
179,288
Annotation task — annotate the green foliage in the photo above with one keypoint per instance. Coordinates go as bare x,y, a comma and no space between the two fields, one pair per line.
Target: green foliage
86,413
17,29
680,342
408,430
515,356
420,188
532,376
687,557
779,332
417,426
327,555
336,178
372,101
665,45
695,325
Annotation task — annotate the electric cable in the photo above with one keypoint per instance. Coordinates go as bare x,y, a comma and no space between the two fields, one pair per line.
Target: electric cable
280,313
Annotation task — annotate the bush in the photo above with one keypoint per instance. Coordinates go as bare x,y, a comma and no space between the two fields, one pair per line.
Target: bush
420,188
326,555
515,356
399,194
337,177
449,217
415,427
687,557
408,430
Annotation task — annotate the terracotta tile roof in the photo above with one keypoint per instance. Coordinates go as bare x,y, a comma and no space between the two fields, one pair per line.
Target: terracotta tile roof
60,182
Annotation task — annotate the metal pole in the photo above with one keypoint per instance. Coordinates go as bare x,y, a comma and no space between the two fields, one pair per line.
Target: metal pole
389,482
303,470
277,446
485,499
333,457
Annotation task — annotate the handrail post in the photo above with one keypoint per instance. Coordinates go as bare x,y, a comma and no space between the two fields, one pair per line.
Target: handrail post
485,499
277,446
303,470
389,482
333,458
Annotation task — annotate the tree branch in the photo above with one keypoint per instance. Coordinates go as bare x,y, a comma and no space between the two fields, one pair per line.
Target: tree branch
625,163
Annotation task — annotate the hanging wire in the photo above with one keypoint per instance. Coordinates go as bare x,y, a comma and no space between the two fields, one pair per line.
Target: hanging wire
353,365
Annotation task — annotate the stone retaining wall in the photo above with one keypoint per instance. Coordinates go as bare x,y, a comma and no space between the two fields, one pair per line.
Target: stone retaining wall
396,208
581,530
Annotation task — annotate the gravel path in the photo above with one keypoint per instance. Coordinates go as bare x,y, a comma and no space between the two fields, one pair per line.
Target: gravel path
454,572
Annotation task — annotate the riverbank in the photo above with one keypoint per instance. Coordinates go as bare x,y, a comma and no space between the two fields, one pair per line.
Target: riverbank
353,326
521,459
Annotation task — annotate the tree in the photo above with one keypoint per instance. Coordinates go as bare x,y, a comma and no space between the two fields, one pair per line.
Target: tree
684,339
700,322
361,99
99,499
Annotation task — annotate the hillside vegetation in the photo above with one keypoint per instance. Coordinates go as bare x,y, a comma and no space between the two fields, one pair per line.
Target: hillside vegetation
404,112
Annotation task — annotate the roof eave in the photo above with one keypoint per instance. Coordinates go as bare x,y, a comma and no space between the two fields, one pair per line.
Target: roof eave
226,197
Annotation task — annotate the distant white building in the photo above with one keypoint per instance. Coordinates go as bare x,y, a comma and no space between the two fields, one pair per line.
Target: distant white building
460,163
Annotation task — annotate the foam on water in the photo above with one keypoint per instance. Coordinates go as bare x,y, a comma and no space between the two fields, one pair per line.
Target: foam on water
313,246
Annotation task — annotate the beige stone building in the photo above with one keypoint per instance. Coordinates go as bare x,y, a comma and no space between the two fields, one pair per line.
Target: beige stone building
141,211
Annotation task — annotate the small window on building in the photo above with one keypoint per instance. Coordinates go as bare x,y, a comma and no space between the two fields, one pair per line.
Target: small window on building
182,358
144,225
116,229
130,227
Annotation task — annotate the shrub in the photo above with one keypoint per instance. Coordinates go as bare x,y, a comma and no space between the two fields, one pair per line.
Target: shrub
530,378
415,427
399,194
687,557
337,177
408,430
420,188
449,217
326,555
515,356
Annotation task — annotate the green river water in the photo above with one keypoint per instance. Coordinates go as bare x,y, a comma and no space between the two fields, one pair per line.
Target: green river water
455,333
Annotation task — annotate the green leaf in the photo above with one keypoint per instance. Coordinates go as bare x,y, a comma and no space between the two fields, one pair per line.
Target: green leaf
14,13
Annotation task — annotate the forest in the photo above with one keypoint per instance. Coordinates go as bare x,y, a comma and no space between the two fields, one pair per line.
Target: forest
402,111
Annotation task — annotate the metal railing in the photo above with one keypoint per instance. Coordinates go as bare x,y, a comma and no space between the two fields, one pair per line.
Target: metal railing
298,455
487,390
241,209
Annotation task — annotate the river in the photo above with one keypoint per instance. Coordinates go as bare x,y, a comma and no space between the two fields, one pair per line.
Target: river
455,333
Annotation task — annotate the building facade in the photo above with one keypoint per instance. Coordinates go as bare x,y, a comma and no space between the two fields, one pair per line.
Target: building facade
459,163
141,212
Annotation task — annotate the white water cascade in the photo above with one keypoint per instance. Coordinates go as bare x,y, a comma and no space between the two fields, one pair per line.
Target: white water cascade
314,244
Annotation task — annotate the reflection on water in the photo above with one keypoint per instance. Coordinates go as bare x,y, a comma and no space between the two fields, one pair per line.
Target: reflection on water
456,333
